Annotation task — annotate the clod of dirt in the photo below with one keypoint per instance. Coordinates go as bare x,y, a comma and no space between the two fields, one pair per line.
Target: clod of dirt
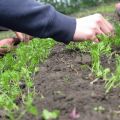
18,101
22,85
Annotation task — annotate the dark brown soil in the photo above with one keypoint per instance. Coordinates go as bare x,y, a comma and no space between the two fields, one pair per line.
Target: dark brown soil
64,83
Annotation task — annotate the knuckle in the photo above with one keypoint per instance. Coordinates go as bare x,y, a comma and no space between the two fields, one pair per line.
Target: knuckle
98,15
94,27
99,18
112,28
89,34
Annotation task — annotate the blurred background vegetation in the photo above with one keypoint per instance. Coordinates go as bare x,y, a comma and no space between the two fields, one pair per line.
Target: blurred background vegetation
70,6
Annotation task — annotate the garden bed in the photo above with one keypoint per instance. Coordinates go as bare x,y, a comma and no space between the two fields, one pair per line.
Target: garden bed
65,83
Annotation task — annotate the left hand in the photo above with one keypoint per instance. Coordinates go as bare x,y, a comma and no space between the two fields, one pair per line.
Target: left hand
23,37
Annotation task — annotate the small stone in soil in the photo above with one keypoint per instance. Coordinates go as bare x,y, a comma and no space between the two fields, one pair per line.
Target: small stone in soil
18,101
22,85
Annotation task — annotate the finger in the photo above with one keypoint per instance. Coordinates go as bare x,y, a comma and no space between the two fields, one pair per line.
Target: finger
99,31
8,41
109,25
106,27
94,39
19,36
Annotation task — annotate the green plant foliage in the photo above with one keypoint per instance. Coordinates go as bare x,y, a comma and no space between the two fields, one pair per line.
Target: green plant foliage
46,115
114,80
20,66
96,51
99,109
82,46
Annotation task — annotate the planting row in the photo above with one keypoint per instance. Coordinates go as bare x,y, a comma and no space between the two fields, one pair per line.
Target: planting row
107,48
17,70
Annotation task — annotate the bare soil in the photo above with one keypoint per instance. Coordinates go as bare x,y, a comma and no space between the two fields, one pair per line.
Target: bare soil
64,83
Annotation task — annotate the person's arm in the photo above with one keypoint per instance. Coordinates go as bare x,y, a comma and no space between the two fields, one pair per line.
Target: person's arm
39,20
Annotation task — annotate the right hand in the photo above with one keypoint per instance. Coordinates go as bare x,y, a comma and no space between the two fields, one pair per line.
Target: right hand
87,28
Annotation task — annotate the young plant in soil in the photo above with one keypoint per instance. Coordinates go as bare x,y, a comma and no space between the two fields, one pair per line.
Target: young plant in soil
16,79
97,50
114,80
103,48
46,115
99,109
82,47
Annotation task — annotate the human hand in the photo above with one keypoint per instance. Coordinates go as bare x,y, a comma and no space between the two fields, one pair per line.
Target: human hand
87,28
23,37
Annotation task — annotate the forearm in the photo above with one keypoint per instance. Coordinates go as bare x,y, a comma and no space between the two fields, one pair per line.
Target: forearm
30,17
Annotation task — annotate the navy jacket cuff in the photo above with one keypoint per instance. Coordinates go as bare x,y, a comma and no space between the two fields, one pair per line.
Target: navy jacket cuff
64,28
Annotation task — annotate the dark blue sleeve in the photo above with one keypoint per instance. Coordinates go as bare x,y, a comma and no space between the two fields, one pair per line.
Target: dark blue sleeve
38,20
